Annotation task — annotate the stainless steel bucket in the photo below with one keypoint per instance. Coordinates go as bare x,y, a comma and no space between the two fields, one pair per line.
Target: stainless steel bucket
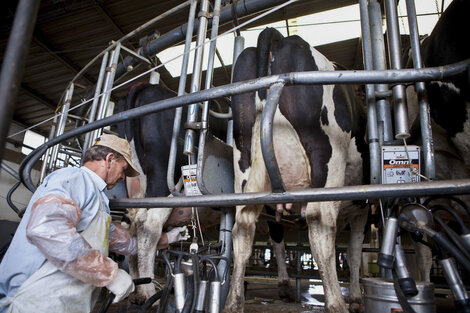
380,296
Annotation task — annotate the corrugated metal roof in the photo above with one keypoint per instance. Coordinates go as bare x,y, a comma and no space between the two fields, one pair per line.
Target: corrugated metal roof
70,33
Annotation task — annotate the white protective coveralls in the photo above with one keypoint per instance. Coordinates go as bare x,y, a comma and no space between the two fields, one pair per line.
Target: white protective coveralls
76,262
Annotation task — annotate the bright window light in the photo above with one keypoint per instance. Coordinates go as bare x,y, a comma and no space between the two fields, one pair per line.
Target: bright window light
317,29
32,140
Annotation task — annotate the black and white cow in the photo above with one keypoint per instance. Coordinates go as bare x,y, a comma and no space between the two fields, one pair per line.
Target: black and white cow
151,138
450,100
318,142
449,103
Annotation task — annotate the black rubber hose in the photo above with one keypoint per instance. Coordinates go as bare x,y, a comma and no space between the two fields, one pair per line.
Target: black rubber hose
189,297
459,243
110,297
107,302
400,295
10,202
444,243
166,295
455,199
151,301
463,228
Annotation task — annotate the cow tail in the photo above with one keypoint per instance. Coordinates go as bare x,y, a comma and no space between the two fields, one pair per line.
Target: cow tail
266,40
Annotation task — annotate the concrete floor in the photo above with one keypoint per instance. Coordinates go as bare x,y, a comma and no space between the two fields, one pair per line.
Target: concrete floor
262,296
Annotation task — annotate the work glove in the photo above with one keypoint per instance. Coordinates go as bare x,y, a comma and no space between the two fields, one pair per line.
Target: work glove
177,234
121,286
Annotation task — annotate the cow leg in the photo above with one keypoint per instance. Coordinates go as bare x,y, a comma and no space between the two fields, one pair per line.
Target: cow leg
149,224
321,220
286,292
354,259
243,234
276,232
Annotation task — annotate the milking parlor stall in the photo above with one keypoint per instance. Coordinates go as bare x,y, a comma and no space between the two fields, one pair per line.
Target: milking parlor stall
309,155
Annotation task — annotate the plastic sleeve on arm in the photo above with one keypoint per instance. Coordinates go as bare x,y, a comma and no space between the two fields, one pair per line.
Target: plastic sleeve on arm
52,229
121,241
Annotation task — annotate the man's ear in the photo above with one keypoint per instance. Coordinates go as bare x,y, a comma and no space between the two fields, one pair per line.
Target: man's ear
109,157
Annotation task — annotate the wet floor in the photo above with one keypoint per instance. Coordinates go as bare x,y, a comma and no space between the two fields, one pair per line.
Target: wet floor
262,296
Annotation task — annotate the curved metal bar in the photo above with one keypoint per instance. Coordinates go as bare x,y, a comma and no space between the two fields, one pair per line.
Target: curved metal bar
314,77
266,133
361,192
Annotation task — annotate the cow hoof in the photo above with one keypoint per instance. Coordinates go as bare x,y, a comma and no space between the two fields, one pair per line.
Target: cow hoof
286,292
232,310
137,299
142,293
356,306
336,308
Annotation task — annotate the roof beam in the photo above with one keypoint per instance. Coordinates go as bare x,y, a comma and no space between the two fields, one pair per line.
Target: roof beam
49,48
163,71
17,120
38,97
108,18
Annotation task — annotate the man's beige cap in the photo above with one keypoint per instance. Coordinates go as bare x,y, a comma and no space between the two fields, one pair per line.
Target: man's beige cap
121,146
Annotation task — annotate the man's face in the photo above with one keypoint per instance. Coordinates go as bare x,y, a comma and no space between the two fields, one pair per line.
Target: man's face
116,169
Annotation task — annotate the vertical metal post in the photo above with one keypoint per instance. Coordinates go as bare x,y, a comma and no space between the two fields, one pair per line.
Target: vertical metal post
384,114
298,267
94,105
424,112
61,125
239,45
225,236
13,63
210,62
178,112
399,94
48,154
108,85
374,146
196,79
207,85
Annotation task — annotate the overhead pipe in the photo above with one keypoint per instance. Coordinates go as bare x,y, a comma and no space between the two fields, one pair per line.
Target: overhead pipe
13,63
244,8
312,77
